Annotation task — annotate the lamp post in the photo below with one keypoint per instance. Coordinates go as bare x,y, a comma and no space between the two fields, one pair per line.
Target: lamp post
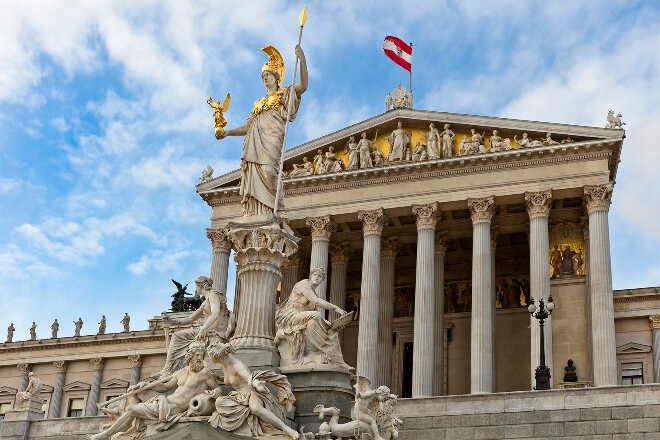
541,313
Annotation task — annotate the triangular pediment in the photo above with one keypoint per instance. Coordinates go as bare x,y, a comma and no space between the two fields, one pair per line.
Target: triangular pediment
46,389
564,138
115,383
633,347
5,390
77,386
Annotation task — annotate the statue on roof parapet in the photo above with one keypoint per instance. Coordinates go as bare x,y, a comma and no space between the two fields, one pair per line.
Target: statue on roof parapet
614,121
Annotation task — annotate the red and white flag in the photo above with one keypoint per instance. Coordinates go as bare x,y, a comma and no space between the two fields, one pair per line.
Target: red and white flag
398,51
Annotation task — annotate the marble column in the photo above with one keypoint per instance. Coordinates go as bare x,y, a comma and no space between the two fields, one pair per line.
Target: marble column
481,359
321,228
24,370
290,277
94,391
373,223
494,237
136,367
441,241
654,322
55,405
261,246
538,208
340,253
590,342
221,245
598,199
388,248
423,348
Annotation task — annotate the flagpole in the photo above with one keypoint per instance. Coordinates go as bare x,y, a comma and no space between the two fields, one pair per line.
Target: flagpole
410,72
302,18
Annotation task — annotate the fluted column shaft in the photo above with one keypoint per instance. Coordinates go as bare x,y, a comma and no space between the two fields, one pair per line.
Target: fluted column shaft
655,333
602,305
372,226
95,390
289,276
494,236
136,368
481,360
55,405
423,348
441,239
339,256
221,245
321,228
386,311
538,208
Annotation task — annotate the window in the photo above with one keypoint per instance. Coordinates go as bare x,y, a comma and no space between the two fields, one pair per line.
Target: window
4,407
76,408
632,373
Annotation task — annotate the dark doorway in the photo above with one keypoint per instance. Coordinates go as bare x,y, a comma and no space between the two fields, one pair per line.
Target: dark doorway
406,382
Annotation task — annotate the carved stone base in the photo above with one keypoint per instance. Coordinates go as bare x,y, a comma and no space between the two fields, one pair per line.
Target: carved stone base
326,385
16,423
194,430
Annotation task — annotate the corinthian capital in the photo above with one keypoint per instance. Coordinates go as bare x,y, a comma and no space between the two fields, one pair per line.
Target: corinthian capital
135,360
373,222
598,197
97,363
220,240
60,366
481,210
654,321
427,215
441,241
293,262
24,369
320,226
340,253
538,203
388,248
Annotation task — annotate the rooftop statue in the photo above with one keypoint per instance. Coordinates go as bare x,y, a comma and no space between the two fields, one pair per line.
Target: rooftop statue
614,121
182,304
33,331
55,327
102,325
311,338
166,410
264,134
78,326
126,322
10,332
207,174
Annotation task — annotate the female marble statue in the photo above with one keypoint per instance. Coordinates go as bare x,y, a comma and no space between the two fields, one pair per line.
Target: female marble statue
432,141
364,147
264,134
399,141
353,155
447,142
303,326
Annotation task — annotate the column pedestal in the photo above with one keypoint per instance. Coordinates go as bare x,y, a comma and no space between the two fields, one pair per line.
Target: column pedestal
262,244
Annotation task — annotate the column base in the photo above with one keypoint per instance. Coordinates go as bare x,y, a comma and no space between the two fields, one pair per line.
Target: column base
542,377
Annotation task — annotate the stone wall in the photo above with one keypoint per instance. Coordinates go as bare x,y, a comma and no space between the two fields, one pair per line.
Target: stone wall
609,413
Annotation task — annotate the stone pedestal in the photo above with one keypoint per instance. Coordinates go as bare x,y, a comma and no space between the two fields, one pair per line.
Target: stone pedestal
325,385
16,424
261,245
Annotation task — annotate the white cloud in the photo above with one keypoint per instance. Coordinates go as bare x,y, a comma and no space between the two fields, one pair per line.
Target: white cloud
7,185
160,261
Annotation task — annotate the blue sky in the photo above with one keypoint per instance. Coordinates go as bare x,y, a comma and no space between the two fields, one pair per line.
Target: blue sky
104,126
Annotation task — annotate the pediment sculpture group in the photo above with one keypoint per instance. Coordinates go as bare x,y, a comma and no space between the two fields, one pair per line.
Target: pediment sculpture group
187,389
436,144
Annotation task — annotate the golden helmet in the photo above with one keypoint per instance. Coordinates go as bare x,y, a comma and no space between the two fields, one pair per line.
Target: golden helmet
275,63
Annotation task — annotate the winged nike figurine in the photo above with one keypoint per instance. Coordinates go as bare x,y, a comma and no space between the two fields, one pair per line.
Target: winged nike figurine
220,121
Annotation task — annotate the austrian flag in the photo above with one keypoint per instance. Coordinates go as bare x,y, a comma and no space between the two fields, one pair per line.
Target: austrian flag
398,51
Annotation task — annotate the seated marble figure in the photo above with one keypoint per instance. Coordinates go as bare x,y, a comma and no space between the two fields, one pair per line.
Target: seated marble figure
303,330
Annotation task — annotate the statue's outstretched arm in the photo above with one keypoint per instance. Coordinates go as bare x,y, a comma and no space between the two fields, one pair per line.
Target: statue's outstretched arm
302,84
